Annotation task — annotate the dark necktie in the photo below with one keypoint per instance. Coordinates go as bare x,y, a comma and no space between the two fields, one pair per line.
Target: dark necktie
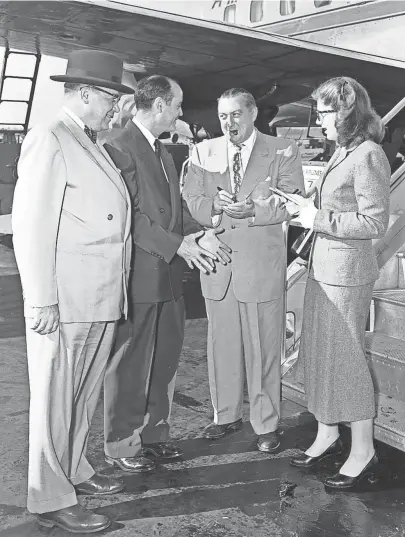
237,168
158,153
91,134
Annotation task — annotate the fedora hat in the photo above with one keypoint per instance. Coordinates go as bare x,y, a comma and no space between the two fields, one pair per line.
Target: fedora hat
95,68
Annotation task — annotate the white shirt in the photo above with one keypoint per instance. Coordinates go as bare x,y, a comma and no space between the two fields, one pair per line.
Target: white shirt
77,120
245,153
151,139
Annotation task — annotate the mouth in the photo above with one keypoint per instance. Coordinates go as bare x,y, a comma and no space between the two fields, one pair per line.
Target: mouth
233,132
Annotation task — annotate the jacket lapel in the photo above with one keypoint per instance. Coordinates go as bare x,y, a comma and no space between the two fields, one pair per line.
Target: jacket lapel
95,152
142,146
259,166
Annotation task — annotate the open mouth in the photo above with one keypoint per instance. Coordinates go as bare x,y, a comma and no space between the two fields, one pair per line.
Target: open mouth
233,132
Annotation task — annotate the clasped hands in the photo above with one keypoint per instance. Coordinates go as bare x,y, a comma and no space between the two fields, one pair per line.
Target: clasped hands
225,202
203,249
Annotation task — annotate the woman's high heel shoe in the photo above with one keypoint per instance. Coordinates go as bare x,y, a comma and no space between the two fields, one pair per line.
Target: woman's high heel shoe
341,481
305,461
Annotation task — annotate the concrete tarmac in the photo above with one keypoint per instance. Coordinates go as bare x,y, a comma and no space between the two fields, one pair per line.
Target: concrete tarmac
223,488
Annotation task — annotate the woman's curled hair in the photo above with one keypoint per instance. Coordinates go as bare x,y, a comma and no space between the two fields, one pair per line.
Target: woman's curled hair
356,120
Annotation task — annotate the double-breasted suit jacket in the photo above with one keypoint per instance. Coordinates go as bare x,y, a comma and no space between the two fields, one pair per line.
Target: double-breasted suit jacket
353,202
139,382
160,217
258,246
71,222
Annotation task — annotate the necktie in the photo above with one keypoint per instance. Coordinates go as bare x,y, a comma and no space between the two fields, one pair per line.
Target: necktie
158,153
237,168
91,134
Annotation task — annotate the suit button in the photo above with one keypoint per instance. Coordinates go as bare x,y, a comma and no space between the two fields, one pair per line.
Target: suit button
110,217
233,227
161,210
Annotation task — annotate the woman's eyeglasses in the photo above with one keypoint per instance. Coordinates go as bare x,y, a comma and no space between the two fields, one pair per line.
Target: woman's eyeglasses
320,114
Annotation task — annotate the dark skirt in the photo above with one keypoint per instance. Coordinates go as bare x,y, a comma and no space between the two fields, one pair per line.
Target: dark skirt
338,382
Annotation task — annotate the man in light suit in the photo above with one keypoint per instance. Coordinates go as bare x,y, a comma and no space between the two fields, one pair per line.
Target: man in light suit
141,374
228,183
71,223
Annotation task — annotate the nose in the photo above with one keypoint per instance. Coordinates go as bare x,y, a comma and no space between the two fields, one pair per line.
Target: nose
116,107
180,112
318,120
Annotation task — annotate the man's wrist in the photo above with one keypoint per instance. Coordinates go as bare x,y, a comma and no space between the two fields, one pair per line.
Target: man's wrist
215,212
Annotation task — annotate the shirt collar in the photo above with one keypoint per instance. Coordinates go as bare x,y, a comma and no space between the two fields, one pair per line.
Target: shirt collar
73,116
146,132
248,144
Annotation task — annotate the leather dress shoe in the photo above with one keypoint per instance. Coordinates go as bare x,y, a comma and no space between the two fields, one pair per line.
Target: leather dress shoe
341,481
269,442
305,461
75,519
100,485
132,465
214,430
162,450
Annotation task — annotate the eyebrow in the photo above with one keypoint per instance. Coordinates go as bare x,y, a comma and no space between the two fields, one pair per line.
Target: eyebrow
233,112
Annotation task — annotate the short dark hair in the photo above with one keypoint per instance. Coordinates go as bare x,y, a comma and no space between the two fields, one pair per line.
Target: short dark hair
356,120
152,87
240,92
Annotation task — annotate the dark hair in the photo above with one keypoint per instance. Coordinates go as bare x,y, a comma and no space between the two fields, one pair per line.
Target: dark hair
240,92
152,87
356,120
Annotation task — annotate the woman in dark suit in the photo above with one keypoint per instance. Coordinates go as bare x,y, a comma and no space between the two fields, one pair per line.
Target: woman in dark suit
351,208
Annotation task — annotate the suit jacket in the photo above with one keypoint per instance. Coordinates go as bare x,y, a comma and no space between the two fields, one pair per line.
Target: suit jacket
71,224
160,219
353,201
258,247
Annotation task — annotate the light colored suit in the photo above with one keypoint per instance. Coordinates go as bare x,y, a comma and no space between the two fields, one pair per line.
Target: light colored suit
244,299
71,223
353,202
353,198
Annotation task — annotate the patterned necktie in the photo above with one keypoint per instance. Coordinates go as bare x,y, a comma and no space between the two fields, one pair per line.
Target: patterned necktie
91,134
237,168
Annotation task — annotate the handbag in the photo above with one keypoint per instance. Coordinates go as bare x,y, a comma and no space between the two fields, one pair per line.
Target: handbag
302,245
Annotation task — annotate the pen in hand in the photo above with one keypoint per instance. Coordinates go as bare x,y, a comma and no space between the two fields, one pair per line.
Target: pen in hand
233,197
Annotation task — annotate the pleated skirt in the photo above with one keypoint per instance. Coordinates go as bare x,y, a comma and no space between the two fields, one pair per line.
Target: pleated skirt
337,379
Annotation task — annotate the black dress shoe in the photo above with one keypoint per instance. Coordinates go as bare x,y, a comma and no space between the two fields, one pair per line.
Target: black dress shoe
305,461
214,431
75,519
132,465
100,485
269,442
341,481
162,450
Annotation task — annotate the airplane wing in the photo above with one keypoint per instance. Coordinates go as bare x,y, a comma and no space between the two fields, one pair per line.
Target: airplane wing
206,58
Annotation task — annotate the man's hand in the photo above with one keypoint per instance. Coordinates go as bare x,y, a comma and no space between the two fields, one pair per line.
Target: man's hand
306,215
241,209
45,320
195,255
221,200
209,241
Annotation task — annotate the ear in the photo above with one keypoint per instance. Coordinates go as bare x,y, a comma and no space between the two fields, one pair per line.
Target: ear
158,104
254,113
85,92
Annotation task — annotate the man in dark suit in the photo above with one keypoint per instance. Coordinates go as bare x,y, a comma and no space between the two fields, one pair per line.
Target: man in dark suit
139,382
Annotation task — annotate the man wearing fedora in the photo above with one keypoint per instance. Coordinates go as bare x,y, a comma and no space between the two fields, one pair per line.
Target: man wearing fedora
71,223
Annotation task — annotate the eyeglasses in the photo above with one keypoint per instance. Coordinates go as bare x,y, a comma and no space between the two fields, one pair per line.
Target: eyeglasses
320,114
115,97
